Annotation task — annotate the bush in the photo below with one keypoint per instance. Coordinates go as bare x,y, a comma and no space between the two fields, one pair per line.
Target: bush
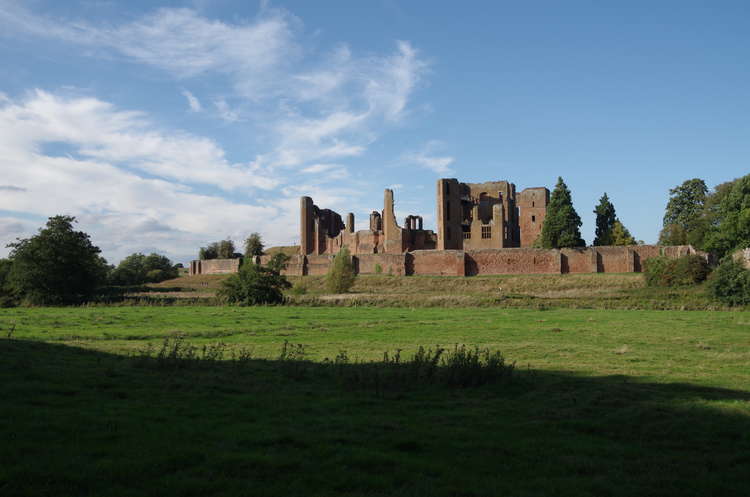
730,283
664,271
340,277
254,285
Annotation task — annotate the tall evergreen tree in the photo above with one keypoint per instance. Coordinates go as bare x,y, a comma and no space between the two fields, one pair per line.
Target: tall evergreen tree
621,235
605,221
562,223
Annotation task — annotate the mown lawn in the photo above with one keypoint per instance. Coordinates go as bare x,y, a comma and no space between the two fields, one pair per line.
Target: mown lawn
602,403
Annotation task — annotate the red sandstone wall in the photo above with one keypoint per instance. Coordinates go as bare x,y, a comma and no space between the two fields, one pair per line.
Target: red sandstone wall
577,260
436,262
389,263
615,259
219,266
512,261
318,264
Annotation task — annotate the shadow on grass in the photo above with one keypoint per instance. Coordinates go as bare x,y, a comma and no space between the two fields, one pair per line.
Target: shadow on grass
79,422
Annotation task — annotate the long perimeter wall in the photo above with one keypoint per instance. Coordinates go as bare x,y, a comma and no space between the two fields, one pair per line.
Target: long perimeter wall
478,262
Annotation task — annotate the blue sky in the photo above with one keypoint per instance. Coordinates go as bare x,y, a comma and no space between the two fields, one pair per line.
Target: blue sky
165,127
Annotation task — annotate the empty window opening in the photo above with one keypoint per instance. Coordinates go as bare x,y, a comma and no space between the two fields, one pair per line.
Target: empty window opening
533,219
532,203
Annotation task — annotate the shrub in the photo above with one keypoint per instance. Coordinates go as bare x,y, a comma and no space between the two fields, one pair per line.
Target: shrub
730,283
664,271
340,277
299,288
378,269
254,285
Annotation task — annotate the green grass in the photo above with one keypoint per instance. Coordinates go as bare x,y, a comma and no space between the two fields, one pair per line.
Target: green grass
575,291
604,402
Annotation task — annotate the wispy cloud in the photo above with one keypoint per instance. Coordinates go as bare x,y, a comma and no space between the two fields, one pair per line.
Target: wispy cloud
225,112
428,157
346,99
193,102
98,130
11,188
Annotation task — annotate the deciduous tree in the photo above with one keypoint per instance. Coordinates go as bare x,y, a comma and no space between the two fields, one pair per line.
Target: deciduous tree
57,266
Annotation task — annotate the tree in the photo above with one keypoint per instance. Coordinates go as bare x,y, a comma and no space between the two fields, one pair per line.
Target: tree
218,250
340,277
620,235
211,251
7,296
253,245
684,213
562,224
56,266
254,285
137,269
278,261
730,283
226,249
605,221
730,228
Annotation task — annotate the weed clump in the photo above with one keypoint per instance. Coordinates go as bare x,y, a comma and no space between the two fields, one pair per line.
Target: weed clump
460,367
683,271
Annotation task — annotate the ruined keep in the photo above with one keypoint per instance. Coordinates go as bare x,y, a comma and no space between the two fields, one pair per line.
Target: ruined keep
482,229
488,215
323,232
469,216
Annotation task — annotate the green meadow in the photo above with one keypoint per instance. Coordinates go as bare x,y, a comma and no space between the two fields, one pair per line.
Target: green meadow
600,402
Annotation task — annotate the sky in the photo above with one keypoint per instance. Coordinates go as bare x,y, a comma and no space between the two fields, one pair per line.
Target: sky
164,126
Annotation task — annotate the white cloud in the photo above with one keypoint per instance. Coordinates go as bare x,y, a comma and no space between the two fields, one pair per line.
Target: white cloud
125,180
427,158
193,102
136,184
225,112
98,130
345,98
182,42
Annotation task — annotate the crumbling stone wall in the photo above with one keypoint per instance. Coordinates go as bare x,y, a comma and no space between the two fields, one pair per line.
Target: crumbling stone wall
389,263
512,261
474,262
614,259
577,260
322,231
436,262
215,266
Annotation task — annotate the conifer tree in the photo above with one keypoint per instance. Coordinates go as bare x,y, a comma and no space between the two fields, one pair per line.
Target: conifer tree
605,221
562,223
621,235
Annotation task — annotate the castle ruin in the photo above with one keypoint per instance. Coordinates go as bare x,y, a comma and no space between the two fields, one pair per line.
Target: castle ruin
482,228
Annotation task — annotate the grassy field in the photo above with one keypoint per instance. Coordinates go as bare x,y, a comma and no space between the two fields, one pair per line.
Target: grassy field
577,291
602,402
